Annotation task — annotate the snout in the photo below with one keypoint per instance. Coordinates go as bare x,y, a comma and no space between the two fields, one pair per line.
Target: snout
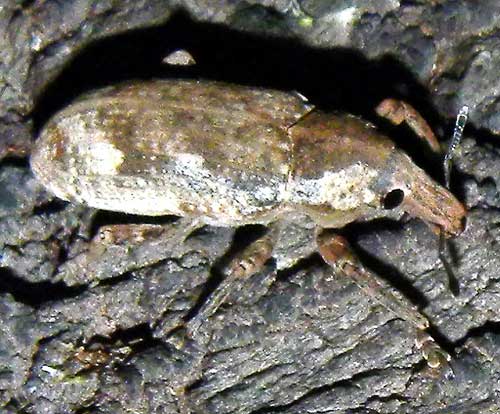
436,206
426,199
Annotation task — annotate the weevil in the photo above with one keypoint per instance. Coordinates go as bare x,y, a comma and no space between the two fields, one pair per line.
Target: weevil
230,155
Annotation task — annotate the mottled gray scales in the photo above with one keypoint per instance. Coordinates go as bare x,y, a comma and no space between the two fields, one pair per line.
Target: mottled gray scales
180,146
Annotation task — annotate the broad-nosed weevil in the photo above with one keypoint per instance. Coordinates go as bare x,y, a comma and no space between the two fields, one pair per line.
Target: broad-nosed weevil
229,155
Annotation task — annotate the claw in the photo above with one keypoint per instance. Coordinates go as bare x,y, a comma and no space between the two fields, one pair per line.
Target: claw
437,359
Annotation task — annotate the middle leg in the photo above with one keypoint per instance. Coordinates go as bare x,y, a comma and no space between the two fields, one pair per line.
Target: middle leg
248,262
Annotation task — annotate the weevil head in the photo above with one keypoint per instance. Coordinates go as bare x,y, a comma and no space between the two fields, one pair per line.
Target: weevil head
406,188
346,171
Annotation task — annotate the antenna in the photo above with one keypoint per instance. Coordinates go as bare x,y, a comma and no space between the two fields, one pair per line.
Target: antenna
460,122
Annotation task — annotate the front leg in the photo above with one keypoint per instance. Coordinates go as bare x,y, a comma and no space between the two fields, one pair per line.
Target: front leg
397,112
336,252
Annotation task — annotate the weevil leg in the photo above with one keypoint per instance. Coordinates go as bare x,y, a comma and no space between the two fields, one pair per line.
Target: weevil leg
397,111
182,229
247,263
337,253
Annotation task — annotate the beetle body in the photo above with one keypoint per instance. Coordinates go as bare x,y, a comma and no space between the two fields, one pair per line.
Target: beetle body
230,155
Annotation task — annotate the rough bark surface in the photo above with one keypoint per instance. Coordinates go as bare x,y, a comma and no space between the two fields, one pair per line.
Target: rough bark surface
91,318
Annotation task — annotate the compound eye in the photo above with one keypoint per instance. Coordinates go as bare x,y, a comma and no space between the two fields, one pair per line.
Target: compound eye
393,199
